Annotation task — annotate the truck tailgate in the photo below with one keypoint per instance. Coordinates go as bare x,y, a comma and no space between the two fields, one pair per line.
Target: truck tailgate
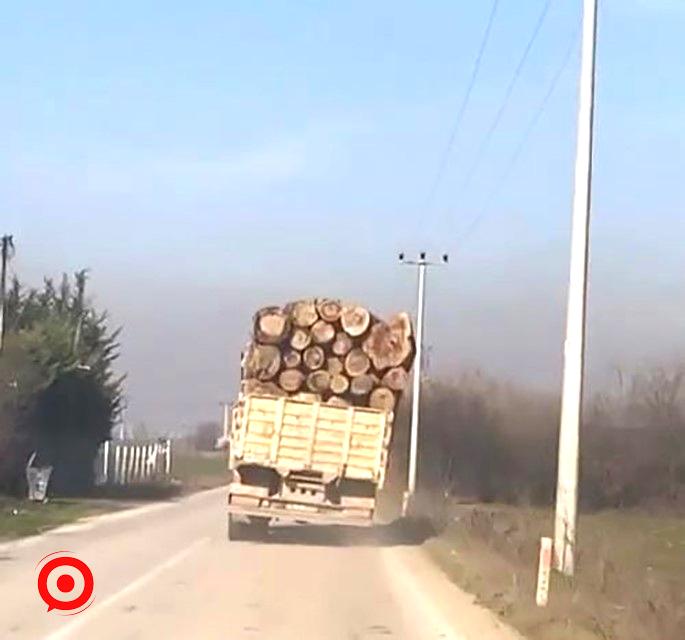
294,434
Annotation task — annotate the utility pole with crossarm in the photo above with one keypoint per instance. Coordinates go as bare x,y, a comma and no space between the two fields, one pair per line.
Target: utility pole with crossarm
422,264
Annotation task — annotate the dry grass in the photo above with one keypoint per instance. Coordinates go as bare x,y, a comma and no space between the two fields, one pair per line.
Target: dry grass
192,471
630,582
20,518
197,470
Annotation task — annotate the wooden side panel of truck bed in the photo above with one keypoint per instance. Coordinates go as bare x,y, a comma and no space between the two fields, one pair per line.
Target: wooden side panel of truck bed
291,435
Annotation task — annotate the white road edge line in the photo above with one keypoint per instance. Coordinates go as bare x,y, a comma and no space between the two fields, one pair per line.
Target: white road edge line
89,522
97,607
410,586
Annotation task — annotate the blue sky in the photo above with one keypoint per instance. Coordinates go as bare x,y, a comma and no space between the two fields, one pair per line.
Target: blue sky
203,159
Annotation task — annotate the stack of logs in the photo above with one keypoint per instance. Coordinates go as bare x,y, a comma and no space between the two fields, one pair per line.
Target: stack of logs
330,351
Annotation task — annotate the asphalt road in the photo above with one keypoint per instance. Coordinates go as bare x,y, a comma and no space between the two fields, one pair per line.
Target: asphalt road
167,571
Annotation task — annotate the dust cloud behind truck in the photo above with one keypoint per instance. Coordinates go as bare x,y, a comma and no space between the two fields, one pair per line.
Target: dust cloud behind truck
312,425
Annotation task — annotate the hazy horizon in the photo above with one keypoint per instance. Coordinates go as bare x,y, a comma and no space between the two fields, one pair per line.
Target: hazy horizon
204,161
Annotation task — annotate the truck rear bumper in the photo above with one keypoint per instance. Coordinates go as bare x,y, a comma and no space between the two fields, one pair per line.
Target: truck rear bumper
307,517
243,500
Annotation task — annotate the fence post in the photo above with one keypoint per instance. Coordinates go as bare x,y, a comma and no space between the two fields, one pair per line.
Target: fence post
117,464
156,461
105,462
131,461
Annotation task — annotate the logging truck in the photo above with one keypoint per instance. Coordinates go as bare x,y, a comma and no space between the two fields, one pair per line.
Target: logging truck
305,461
310,431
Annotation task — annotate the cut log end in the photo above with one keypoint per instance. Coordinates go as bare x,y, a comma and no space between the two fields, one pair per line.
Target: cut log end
396,379
357,362
292,359
342,345
382,398
300,339
322,332
319,381
387,346
339,384
329,310
314,358
291,380
355,320
271,325
335,366
304,313
262,362
361,385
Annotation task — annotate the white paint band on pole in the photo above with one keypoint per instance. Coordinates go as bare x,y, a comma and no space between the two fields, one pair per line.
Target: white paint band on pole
544,570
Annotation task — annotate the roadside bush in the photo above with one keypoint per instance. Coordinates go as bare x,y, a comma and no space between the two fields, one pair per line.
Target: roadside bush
487,441
58,394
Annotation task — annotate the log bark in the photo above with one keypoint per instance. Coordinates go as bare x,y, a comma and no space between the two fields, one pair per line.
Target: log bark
304,313
335,366
314,358
361,385
329,310
319,381
292,359
388,346
355,320
254,386
382,398
308,397
291,380
262,362
339,384
322,332
396,379
337,401
342,345
300,339
271,325
357,363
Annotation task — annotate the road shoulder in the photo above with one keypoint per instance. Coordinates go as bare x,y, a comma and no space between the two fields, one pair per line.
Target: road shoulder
444,605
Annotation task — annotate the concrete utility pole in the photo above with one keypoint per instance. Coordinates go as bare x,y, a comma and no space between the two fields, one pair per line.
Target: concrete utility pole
422,263
7,252
574,346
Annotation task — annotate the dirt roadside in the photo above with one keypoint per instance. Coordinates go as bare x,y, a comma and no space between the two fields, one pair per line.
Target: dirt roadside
630,582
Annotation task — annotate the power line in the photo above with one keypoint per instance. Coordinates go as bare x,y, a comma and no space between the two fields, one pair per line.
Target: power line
524,139
507,96
464,103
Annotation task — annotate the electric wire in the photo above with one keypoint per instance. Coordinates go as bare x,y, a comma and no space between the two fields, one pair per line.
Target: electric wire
520,147
507,96
442,166
485,143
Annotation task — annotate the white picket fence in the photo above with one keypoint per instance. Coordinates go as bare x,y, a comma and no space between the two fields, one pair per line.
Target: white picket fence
124,462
